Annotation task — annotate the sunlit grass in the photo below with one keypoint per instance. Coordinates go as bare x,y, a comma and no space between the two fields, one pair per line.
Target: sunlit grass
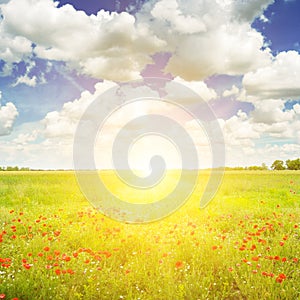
244,245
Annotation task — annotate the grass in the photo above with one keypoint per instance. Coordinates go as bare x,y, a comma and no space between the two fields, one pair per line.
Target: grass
244,245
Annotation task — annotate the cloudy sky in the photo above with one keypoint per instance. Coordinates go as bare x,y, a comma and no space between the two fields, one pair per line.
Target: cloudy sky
241,56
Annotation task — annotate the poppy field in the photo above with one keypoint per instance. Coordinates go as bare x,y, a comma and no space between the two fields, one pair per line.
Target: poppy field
244,245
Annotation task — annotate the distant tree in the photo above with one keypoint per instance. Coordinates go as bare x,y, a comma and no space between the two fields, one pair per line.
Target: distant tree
293,164
264,166
12,168
278,165
24,169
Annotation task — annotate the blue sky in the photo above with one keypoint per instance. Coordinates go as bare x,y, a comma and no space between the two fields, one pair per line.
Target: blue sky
243,59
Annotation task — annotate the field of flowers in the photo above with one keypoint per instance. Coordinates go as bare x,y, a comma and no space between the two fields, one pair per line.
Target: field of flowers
244,245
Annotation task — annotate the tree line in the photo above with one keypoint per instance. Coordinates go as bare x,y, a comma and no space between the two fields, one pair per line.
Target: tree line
276,165
16,168
288,165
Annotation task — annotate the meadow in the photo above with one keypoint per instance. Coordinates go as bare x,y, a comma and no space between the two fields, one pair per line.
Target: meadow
244,245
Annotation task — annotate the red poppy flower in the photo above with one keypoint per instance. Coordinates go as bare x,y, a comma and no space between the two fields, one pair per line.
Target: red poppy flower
27,266
179,264
280,278
57,272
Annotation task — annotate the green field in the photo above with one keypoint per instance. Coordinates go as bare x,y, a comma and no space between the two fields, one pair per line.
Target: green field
244,245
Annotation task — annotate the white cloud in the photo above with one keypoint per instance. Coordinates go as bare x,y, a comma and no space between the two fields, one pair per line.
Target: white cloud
239,131
13,48
279,80
8,114
250,9
169,12
296,108
218,43
26,80
106,45
232,92
198,87
264,19
63,123
271,111
203,37
25,138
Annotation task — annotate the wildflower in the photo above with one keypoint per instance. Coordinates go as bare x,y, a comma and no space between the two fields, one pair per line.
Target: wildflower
280,278
27,266
214,247
46,249
179,264
56,233
281,243
57,272
2,296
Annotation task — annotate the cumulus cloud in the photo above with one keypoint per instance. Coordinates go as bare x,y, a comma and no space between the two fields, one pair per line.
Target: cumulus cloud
199,87
25,138
279,80
218,43
249,10
239,131
106,45
26,80
169,11
232,92
271,111
8,114
63,123
13,49
203,37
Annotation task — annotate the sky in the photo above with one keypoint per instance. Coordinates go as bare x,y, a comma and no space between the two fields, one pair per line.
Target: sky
241,57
